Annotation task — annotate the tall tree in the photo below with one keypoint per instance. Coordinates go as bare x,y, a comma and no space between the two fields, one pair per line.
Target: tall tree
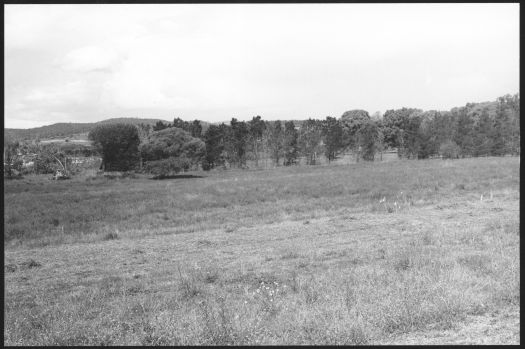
511,105
214,139
239,141
160,126
394,123
428,144
290,147
179,123
368,139
483,134
410,136
275,141
443,128
144,130
352,121
118,144
310,140
500,130
256,129
195,129
464,133
332,137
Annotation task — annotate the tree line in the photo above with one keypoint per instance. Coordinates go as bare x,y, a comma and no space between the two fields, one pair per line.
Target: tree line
477,129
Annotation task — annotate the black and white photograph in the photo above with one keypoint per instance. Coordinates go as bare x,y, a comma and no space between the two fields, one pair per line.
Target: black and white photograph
242,174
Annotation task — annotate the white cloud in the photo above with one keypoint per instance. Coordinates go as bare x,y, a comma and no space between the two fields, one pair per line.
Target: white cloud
217,61
89,58
59,96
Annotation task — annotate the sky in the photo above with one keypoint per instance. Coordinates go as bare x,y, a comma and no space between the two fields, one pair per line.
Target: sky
86,63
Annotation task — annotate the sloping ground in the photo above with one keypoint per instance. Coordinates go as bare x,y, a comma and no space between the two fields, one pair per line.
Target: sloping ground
437,274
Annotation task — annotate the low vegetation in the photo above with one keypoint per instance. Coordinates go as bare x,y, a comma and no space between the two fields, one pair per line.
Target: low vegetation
358,254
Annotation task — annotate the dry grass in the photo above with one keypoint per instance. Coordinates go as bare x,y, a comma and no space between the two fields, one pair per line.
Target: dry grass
236,263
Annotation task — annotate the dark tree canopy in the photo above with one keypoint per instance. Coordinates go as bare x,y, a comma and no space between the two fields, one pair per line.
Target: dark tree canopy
368,137
179,123
476,129
332,137
290,146
256,130
118,144
238,139
310,140
172,142
394,121
160,126
214,139
195,129
351,122
275,140
483,135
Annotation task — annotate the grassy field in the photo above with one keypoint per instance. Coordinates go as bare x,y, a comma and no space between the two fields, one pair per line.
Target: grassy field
370,253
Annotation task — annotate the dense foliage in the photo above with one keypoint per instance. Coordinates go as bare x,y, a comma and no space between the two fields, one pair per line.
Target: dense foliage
118,144
170,151
476,129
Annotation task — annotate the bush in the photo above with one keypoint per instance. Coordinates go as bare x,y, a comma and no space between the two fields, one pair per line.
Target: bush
172,142
449,150
45,163
169,151
13,169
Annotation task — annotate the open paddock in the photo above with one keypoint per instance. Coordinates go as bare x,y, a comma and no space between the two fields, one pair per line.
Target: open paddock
394,252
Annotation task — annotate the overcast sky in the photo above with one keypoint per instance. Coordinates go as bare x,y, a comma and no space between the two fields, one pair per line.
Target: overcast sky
86,63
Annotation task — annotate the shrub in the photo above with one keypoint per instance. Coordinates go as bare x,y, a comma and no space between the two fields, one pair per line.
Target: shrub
12,161
172,142
167,167
170,151
111,236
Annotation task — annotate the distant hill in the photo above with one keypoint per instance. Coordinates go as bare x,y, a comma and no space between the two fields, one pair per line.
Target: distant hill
79,131
134,121
70,130
49,131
